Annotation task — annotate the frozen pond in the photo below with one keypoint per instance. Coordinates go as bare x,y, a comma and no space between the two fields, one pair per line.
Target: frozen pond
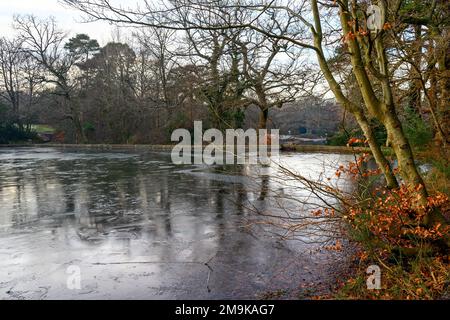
135,226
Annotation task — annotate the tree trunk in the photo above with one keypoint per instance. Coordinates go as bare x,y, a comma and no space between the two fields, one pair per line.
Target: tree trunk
444,84
377,153
80,136
263,116
403,152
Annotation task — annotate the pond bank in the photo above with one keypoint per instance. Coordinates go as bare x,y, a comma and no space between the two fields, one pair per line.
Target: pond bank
166,147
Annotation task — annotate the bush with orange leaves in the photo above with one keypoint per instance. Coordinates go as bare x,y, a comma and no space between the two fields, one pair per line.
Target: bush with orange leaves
391,217
395,218
389,226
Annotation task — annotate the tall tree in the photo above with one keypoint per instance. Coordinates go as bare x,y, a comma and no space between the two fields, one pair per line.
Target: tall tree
44,42
11,59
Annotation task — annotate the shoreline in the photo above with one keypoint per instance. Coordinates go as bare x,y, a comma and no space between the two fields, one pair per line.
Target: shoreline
166,147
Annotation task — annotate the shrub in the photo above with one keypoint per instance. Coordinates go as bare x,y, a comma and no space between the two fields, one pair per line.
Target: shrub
12,133
342,136
388,226
417,131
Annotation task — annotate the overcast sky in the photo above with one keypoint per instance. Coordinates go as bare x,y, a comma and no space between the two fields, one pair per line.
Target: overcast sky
68,18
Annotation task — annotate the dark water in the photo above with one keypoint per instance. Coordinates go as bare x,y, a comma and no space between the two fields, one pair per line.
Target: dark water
136,226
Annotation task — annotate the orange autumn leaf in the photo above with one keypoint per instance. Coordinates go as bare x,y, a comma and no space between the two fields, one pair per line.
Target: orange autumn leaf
353,141
387,26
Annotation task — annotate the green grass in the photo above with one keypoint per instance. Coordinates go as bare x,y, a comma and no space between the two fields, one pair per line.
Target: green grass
42,128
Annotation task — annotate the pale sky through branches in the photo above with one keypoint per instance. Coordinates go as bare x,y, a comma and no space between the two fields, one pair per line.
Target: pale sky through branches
68,19
72,21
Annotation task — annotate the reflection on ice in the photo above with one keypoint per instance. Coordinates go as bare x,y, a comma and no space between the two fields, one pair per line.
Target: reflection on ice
140,227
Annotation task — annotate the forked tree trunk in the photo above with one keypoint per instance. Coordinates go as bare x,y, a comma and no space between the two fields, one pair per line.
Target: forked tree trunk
384,110
336,88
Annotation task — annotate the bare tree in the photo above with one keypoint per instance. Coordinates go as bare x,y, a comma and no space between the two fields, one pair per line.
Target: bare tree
156,47
44,42
11,59
274,72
